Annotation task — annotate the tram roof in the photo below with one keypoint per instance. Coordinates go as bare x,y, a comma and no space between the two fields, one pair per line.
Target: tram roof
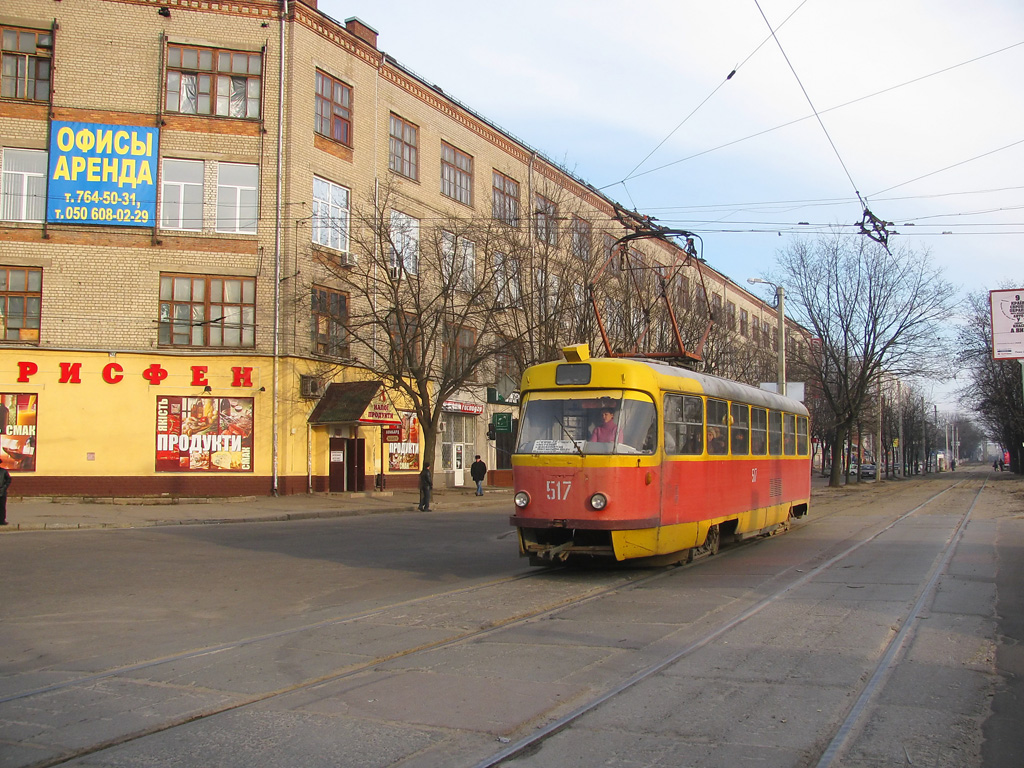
709,384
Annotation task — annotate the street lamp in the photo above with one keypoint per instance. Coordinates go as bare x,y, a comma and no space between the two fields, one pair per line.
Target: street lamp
780,305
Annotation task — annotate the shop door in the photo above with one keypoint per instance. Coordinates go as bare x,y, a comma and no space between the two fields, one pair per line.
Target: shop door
355,464
458,469
336,468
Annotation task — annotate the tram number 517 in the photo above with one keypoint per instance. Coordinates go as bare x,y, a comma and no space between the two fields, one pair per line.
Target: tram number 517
558,490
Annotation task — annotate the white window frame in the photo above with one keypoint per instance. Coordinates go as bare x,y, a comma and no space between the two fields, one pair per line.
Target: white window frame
231,201
23,191
187,193
330,214
506,279
458,262
405,244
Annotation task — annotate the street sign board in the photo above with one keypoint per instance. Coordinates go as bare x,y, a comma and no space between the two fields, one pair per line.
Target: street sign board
1007,324
502,422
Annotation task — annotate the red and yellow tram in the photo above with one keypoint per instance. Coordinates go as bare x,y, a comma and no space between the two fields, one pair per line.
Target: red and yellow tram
624,459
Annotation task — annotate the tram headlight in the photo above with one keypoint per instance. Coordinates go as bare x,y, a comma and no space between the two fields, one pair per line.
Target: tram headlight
521,499
599,501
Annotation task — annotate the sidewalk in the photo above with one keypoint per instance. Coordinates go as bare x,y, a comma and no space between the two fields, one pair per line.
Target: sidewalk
43,513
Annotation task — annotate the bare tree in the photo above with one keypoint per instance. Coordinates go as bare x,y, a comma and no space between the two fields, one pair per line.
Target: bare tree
995,389
874,310
423,303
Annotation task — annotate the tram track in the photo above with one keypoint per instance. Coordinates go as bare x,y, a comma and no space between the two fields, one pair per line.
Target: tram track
625,580
530,744
620,581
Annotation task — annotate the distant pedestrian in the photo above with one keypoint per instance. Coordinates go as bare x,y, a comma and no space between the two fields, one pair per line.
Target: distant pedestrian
478,471
426,485
5,483
995,464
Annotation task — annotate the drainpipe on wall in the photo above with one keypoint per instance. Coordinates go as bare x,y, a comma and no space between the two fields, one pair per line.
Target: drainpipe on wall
277,253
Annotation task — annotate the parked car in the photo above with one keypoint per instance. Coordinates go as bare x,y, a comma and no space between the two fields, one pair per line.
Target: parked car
868,470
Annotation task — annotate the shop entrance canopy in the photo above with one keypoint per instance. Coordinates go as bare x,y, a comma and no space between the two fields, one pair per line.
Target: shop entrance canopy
362,403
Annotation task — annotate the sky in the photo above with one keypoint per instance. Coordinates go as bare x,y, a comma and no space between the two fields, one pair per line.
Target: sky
909,108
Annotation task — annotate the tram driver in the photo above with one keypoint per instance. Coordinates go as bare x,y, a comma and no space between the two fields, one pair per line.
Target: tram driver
604,430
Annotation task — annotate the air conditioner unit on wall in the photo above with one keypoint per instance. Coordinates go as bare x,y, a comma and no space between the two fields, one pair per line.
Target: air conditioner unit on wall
310,386
348,259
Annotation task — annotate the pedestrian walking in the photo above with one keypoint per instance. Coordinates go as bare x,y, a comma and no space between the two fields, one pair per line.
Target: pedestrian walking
5,483
478,471
426,485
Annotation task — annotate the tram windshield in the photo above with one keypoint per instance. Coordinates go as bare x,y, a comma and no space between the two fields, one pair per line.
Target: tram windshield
609,421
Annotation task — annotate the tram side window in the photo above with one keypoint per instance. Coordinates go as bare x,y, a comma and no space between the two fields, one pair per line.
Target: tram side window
758,431
740,429
775,433
684,425
789,434
718,427
801,435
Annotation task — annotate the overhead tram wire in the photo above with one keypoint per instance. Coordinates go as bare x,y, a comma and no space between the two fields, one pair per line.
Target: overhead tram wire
696,109
949,167
634,175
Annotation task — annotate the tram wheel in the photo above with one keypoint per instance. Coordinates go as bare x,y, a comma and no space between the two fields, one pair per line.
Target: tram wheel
713,540
710,545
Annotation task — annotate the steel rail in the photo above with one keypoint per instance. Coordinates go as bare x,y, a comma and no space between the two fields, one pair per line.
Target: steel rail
545,732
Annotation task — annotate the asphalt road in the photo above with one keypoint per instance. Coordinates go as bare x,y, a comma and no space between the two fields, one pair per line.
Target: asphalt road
883,630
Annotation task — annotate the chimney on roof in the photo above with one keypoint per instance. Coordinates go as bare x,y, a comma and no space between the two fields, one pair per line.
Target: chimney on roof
362,31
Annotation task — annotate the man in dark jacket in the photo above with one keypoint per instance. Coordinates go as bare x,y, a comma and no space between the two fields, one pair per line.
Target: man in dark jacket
426,484
5,482
478,471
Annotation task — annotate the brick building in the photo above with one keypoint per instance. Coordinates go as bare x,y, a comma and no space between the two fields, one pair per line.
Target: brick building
177,213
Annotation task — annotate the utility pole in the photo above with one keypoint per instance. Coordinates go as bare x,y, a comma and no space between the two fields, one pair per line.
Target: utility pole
780,304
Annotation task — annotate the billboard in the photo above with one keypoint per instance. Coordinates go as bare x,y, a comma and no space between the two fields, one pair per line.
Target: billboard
102,174
204,434
1007,324
18,431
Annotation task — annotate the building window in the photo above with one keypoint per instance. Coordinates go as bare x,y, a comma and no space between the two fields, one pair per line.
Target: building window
546,219
581,238
23,188
458,350
25,64
405,244
330,214
506,367
333,109
506,280
329,322
744,320
456,174
730,316
458,262
404,143
21,295
182,195
205,311
236,198
406,342
207,81
505,204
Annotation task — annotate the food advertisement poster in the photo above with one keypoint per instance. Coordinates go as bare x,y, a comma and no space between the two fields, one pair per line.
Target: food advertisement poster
204,434
404,456
18,432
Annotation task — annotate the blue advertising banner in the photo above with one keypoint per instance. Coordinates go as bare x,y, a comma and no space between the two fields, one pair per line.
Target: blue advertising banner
102,174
